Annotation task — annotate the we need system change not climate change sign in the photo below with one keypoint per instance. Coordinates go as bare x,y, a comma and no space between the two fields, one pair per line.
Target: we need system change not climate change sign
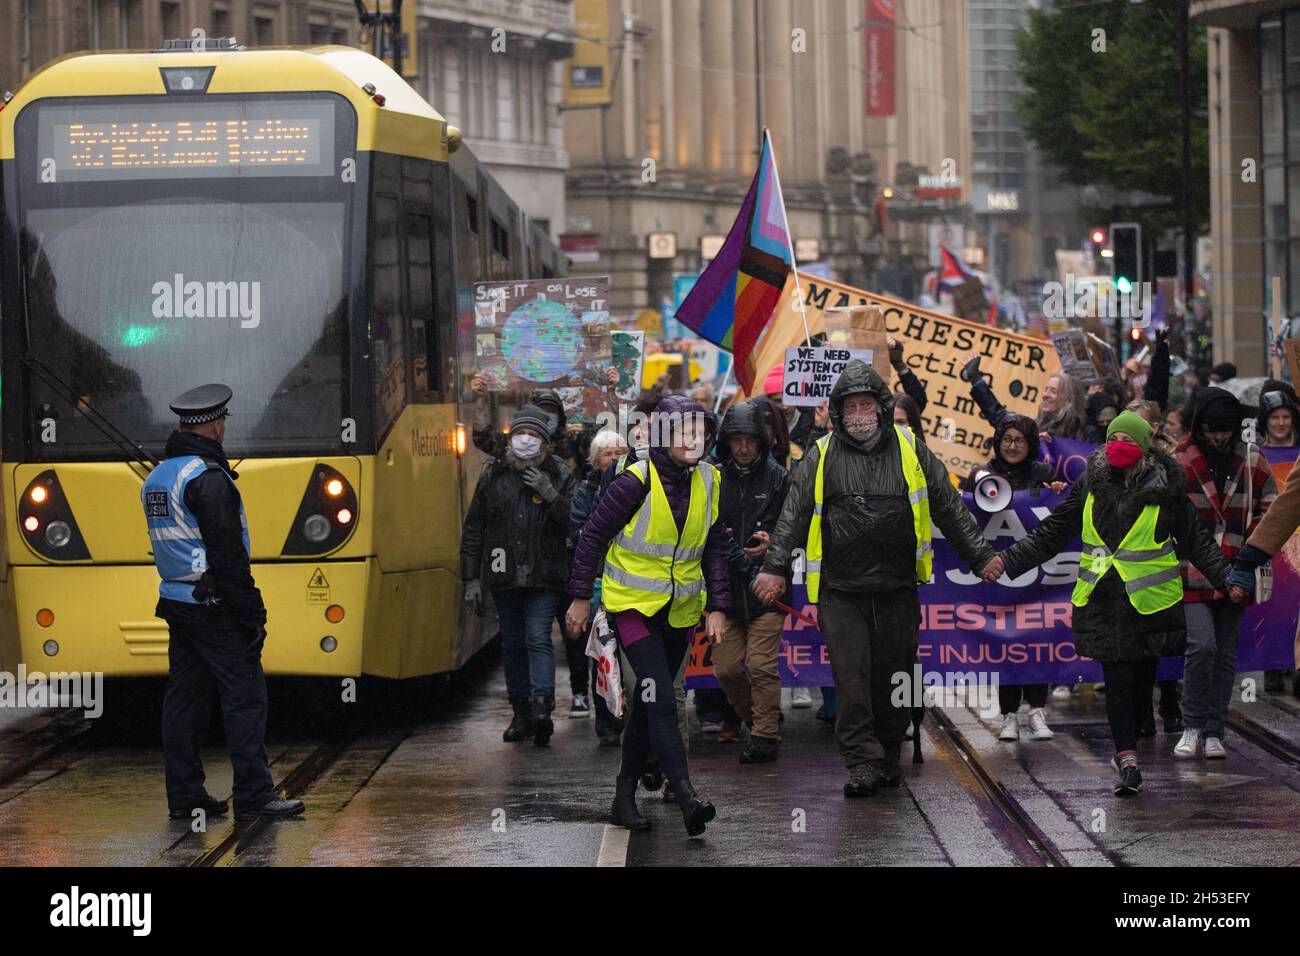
811,373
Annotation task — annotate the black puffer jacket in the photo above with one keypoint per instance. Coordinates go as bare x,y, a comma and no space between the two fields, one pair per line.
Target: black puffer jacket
1108,628
868,540
751,500
511,537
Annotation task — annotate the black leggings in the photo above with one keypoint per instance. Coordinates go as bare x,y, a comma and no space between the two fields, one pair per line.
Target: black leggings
653,724
1128,693
1009,696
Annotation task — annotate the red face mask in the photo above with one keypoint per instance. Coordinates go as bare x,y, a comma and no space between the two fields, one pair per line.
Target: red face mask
1121,454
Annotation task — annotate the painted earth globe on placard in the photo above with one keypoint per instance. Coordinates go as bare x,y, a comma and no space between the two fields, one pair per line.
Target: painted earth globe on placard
540,341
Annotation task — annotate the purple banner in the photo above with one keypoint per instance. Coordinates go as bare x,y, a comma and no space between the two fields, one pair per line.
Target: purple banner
1020,628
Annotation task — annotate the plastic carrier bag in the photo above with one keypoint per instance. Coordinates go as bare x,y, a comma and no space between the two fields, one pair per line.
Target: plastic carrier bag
603,649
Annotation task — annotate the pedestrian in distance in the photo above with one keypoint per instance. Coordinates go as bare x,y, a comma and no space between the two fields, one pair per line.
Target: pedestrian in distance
1135,522
215,616
514,539
1062,409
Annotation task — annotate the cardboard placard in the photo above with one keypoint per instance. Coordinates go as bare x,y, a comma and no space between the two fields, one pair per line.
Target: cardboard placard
1291,348
627,350
812,371
935,348
861,327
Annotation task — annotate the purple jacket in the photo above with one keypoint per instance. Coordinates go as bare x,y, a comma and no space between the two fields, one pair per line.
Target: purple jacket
617,506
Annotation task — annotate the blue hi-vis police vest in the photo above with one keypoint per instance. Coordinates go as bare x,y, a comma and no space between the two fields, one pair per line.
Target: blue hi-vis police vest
178,550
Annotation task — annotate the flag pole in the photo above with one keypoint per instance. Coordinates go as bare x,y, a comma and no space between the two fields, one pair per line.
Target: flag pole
789,239
723,388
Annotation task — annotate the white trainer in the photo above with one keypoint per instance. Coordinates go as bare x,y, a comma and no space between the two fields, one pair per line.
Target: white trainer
1214,749
1038,728
1187,744
1062,692
801,697
1010,728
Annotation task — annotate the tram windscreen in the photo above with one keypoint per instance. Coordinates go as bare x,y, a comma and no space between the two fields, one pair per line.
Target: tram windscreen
138,291
133,305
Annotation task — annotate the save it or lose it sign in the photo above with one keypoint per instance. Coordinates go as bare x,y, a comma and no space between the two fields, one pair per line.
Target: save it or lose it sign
812,371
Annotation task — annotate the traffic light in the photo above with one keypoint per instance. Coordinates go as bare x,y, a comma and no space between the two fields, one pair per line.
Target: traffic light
1126,242
1098,236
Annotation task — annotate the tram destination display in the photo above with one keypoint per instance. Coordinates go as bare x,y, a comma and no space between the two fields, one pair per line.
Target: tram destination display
232,137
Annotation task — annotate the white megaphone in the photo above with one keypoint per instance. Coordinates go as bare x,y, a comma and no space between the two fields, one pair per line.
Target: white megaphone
992,492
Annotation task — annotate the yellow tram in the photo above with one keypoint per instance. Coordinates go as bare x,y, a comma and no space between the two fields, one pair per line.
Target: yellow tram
299,224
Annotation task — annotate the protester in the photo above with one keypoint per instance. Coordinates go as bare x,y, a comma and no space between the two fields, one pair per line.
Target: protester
1162,448
605,449
1230,492
783,452
1278,424
1015,458
860,506
1223,372
1061,410
514,537
1273,532
753,491
1131,514
665,549
908,413
1102,409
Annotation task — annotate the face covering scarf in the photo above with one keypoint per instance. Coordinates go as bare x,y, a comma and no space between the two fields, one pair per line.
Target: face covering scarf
860,426
525,446
1121,454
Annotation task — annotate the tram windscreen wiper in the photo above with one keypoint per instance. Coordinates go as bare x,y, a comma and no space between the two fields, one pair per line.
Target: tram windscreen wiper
101,422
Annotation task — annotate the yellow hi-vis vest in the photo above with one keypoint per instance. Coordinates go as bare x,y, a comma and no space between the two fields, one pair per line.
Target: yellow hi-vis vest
650,564
918,495
1149,570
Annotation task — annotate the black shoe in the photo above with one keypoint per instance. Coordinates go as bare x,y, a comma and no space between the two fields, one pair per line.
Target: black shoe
610,737
652,778
970,372
543,726
521,727
668,795
695,812
272,810
1273,683
760,750
891,774
624,812
1147,726
1130,782
209,804
1174,724
863,780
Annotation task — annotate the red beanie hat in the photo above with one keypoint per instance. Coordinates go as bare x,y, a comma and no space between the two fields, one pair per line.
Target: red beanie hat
775,376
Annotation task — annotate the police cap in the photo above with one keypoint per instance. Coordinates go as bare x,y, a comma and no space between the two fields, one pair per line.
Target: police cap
204,404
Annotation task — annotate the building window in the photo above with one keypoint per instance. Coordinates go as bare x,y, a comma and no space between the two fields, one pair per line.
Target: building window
1279,93
220,22
263,31
171,21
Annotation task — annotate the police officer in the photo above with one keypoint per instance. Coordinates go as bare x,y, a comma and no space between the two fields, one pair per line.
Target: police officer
214,613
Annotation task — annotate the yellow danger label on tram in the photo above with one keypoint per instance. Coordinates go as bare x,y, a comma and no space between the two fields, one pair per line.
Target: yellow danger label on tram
318,588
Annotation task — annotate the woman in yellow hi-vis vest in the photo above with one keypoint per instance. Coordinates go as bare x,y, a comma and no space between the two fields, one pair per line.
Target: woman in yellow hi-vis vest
860,507
1131,510
665,554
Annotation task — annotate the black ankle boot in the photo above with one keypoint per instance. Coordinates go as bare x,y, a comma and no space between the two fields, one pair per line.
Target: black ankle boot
695,812
521,727
543,726
891,772
624,812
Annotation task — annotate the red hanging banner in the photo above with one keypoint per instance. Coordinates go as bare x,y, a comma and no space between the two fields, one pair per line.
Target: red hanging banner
880,29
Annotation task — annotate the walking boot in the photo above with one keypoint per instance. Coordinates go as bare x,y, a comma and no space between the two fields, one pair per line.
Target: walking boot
543,726
695,812
760,750
864,778
521,727
891,774
652,778
209,804
624,812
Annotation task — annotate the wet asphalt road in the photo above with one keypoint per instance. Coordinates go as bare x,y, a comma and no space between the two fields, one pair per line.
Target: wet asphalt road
448,791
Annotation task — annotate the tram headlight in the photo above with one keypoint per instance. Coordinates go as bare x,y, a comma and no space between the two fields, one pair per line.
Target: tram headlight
326,515
58,534
316,528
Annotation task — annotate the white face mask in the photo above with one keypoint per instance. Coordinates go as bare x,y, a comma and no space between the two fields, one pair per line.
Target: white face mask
525,446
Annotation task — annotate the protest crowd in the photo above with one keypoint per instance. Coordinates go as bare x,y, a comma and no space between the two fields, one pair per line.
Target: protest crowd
627,544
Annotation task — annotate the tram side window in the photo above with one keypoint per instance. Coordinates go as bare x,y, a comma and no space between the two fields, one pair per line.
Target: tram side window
386,319
420,297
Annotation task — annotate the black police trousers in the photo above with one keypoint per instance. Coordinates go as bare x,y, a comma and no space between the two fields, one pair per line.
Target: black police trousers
207,653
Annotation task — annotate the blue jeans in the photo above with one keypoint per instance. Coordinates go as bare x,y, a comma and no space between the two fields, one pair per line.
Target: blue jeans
1213,630
525,615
